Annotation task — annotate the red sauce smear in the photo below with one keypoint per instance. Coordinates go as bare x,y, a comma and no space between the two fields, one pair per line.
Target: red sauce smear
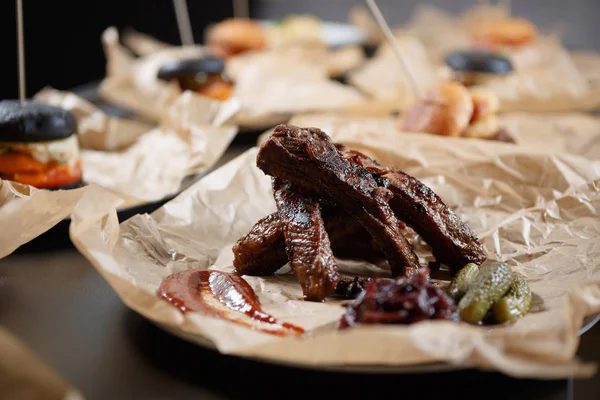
221,295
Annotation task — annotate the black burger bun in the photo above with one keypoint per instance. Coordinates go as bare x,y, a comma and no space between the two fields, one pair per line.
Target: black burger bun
190,67
479,61
34,122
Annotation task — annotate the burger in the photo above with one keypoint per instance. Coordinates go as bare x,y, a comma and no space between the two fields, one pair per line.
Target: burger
505,33
473,68
38,145
234,36
451,109
205,75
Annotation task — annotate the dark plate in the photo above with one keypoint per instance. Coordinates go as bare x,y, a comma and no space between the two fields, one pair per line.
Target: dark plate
588,323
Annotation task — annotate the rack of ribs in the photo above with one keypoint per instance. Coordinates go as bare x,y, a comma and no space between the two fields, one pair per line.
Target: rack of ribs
453,242
335,201
309,159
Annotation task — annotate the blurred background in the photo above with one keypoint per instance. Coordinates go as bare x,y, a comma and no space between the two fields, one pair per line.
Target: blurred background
63,47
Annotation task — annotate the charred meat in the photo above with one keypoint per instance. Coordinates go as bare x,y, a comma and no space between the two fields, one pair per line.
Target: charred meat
306,240
453,242
309,159
335,201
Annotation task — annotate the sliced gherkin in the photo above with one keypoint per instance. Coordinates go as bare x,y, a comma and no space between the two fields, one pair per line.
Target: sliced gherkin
490,285
517,301
460,284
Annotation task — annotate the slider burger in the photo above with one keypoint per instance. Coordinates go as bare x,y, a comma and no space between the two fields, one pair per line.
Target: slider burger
234,36
451,109
203,75
477,67
38,145
506,32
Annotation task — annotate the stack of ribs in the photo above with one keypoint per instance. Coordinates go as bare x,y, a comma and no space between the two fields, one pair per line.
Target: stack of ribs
335,201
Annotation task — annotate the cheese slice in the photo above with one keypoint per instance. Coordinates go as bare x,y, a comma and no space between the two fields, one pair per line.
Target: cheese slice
64,151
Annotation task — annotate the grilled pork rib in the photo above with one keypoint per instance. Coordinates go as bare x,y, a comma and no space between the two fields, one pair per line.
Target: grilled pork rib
453,242
309,159
307,244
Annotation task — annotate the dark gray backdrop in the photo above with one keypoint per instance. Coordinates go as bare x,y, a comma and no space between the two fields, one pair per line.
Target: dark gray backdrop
579,17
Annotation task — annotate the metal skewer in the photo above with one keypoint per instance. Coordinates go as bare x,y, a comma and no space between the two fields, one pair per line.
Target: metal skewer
241,9
183,22
21,51
394,45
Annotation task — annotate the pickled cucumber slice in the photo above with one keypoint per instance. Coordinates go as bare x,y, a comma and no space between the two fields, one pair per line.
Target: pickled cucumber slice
517,301
490,285
460,284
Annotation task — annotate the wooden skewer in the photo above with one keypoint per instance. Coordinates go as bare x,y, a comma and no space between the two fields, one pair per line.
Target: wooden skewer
241,9
506,4
21,51
183,22
385,28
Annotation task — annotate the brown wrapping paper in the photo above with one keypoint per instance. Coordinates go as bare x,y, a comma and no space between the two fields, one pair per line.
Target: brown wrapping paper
575,133
383,79
162,161
535,210
95,129
532,87
30,212
23,376
270,86
151,162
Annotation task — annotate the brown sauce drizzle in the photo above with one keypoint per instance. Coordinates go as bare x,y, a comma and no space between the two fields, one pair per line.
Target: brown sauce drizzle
221,295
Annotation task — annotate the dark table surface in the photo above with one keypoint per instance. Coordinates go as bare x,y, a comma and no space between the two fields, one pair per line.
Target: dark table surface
63,309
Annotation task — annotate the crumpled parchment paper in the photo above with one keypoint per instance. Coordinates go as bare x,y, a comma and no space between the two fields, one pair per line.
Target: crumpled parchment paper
575,133
23,376
29,212
535,210
270,85
189,141
95,129
144,162
546,78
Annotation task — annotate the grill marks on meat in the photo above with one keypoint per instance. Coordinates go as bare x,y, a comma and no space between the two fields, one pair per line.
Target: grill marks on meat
307,243
310,160
332,200
262,251
452,241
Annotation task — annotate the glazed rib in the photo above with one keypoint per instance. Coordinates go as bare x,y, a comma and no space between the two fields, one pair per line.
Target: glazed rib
309,159
453,242
262,250
307,244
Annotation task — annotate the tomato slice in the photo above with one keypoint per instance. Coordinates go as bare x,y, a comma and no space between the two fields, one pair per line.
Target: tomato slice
215,87
13,162
59,175
22,168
